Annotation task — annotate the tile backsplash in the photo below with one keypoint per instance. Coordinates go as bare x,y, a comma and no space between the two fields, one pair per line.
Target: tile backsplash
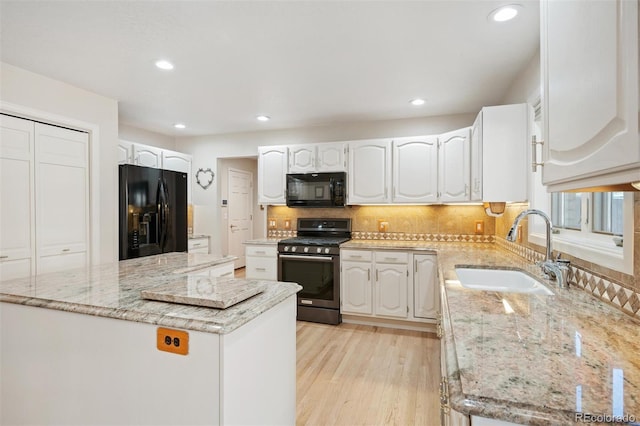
459,223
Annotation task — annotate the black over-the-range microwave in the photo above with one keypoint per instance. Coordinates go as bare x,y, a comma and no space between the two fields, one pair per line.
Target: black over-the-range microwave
316,189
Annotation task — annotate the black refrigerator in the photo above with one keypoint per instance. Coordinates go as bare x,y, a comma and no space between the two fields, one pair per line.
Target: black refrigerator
153,211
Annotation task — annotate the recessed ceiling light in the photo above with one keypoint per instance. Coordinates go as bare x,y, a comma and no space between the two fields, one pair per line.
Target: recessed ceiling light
263,118
504,13
164,65
180,126
417,102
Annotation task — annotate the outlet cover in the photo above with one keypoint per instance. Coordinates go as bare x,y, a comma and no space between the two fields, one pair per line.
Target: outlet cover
174,341
479,227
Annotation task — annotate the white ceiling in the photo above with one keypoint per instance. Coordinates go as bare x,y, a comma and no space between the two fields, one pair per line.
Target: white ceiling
304,63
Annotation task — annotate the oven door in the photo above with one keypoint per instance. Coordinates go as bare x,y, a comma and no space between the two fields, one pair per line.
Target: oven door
319,277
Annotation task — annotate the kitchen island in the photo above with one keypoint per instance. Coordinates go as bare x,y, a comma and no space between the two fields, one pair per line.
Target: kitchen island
83,347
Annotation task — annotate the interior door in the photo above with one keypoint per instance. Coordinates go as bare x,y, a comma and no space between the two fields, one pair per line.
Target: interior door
240,207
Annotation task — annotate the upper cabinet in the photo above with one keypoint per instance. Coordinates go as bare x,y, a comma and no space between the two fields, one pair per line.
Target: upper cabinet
147,156
589,58
176,161
454,165
415,170
324,157
369,172
272,174
125,152
500,138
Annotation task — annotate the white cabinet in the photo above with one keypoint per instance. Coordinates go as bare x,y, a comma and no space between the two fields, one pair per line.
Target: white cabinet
176,161
62,198
355,282
426,298
272,172
261,262
415,170
391,280
589,58
454,165
44,182
369,172
17,238
147,156
198,245
500,139
323,157
374,283
125,152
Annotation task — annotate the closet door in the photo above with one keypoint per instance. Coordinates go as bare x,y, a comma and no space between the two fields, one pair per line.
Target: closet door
62,198
16,197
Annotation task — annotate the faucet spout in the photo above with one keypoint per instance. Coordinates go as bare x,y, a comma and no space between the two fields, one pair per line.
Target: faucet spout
511,235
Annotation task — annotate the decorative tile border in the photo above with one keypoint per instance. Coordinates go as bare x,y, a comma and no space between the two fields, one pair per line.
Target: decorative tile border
404,236
603,288
278,233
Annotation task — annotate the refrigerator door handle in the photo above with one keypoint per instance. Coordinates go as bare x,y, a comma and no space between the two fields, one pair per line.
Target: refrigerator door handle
161,213
167,214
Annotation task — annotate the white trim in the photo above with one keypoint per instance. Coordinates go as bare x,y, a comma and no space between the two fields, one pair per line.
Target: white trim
94,165
597,248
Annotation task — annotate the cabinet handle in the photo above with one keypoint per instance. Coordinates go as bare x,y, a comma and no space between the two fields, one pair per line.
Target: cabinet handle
534,155
466,189
368,274
66,250
197,245
261,269
390,258
377,275
357,256
4,257
227,274
261,252
415,265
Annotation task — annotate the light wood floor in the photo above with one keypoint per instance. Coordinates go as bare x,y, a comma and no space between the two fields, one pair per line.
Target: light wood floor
363,375
239,273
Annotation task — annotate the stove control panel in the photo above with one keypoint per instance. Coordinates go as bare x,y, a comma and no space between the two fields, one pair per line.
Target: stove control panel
310,250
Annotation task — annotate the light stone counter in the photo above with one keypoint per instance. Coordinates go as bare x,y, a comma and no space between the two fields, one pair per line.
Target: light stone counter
262,242
550,357
113,291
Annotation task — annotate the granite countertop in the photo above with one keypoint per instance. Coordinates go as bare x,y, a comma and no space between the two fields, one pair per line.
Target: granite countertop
262,241
551,357
113,291
393,245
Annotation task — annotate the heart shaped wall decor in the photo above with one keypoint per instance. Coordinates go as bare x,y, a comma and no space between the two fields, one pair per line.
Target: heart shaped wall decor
204,178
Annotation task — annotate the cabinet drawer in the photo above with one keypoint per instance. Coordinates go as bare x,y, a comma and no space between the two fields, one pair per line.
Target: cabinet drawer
262,251
261,268
223,271
391,257
356,255
198,243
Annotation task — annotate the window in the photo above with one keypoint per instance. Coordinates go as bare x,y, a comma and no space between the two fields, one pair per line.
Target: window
606,209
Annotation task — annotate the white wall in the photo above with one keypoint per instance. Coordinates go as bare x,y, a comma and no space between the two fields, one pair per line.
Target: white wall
206,151
146,137
526,83
22,90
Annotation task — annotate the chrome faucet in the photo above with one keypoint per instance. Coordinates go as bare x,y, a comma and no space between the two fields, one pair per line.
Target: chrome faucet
557,269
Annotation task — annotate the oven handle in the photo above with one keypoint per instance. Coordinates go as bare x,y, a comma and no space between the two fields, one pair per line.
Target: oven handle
321,258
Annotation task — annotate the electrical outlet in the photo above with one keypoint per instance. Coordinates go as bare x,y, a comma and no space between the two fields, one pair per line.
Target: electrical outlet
174,341
519,234
272,223
383,225
479,227
287,224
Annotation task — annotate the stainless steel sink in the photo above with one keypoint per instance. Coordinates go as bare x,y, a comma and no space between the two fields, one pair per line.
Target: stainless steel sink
504,280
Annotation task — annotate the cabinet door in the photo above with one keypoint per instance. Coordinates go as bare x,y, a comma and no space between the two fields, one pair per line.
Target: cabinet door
391,290
176,161
272,172
147,156
62,208
589,57
369,172
16,197
476,160
426,300
125,152
330,157
302,158
415,170
355,287
454,165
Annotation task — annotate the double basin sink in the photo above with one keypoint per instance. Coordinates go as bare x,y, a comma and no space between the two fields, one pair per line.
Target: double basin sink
502,280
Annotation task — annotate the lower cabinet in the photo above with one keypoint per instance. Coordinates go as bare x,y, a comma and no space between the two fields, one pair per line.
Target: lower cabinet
262,262
198,245
224,270
382,283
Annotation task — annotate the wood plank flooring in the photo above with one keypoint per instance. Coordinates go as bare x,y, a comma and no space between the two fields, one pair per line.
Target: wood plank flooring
364,375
